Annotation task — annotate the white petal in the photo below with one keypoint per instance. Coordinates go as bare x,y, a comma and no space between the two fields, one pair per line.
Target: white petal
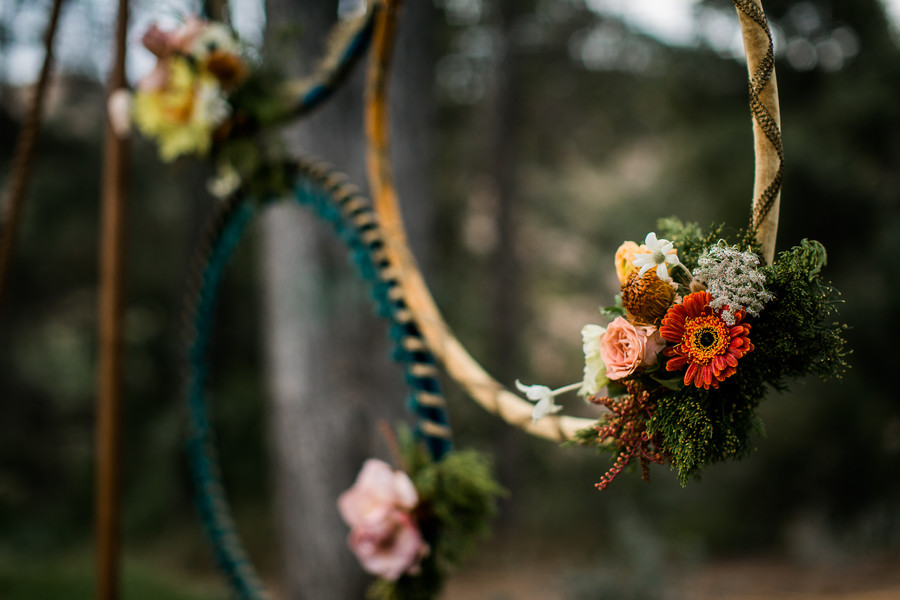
119,108
661,272
543,408
590,339
534,392
644,269
643,260
650,241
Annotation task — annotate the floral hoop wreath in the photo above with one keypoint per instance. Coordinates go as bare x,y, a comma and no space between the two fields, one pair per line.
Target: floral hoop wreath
197,102
207,95
337,202
202,98
462,367
652,417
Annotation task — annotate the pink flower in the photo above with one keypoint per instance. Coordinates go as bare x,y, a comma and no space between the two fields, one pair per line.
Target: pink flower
383,535
164,44
624,347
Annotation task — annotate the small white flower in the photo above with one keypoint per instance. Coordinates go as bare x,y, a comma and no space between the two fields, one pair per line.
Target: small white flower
544,397
658,254
225,182
734,280
119,109
210,106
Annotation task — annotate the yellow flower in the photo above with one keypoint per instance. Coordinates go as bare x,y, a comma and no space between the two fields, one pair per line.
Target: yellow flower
183,114
646,298
625,260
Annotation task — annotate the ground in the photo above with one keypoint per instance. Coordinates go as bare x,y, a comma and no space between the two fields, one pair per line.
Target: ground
745,579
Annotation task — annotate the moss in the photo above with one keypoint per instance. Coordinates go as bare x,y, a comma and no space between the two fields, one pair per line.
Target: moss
796,334
457,500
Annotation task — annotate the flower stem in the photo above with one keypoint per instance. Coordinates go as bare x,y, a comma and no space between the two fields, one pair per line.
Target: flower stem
566,388
390,440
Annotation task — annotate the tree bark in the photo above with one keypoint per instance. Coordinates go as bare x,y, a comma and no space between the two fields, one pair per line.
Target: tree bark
330,374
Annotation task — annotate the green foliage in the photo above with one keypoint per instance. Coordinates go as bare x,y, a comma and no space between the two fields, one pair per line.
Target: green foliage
701,427
794,335
259,162
457,498
798,330
65,579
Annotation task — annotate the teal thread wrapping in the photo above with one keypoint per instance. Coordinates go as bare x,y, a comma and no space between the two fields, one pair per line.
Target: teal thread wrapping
356,47
308,193
211,500
210,496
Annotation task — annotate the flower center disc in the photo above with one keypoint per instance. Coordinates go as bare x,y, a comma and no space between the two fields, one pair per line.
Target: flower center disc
705,337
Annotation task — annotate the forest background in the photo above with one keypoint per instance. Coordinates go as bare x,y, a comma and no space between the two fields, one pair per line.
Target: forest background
557,129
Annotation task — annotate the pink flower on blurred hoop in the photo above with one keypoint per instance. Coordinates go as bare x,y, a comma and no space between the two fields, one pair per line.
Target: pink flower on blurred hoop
624,347
383,535
163,44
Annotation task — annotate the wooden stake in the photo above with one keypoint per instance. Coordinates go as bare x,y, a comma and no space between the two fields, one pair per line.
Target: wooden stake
115,171
11,203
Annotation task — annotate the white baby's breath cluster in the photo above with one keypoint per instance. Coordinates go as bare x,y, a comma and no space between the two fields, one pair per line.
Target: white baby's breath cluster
733,279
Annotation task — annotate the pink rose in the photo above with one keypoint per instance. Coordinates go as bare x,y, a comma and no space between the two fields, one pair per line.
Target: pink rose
383,535
165,43
624,347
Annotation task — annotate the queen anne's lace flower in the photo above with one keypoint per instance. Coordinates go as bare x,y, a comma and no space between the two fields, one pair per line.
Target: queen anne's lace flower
734,280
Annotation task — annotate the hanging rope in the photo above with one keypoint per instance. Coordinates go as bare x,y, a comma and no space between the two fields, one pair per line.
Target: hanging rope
337,202
351,40
24,156
464,369
768,145
109,372
483,388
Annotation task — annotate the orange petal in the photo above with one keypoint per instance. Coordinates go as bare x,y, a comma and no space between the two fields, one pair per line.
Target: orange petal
690,373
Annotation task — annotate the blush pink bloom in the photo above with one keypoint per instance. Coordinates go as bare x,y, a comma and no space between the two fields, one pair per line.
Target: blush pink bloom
383,534
625,347
163,44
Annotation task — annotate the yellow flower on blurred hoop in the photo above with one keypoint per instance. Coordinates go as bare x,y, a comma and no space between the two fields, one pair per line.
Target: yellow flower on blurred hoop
183,113
625,259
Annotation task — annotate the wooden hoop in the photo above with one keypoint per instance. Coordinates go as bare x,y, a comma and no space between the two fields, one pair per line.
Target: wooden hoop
460,365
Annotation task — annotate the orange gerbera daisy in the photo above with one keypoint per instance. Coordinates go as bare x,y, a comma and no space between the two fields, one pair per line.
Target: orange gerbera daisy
708,346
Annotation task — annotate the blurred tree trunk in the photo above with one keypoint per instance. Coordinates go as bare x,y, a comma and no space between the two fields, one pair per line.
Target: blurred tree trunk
502,125
502,128
328,360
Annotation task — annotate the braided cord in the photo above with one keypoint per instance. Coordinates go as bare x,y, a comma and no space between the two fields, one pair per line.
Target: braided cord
338,202
759,79
329,195
221,238
337,66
